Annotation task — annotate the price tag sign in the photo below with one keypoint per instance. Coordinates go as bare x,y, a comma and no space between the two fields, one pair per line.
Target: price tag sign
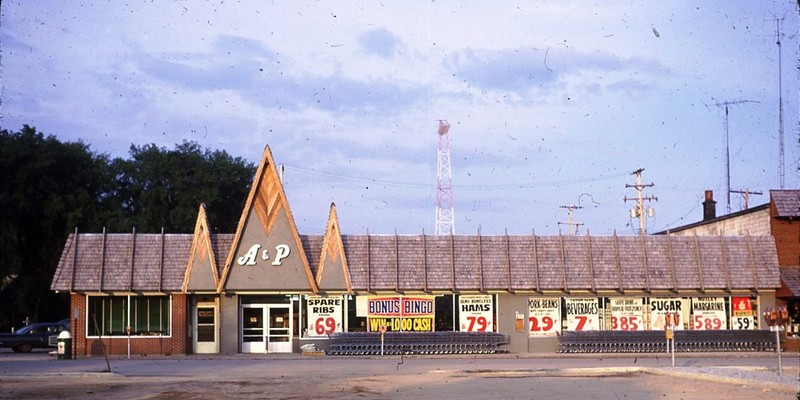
583,314
708,313
544,316
324,315
660,306
476,313
742,317
627,314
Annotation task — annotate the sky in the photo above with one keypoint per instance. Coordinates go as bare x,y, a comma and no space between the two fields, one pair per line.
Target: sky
550,103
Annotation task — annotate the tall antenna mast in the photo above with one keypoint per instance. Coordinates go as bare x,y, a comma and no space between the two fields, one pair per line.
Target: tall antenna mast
445,221
781,155
725,104
638,211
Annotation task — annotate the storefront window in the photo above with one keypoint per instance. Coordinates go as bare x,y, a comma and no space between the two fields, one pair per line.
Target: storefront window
146,315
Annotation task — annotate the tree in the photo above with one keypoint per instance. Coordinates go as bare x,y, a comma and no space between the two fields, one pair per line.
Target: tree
49,188
46,189
159,189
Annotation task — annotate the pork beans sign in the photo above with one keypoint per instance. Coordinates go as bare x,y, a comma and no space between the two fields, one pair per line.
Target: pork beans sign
400,313
324,315
544,316
583,313
475,313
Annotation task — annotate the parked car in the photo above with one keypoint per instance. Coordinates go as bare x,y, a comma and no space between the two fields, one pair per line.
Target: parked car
36,335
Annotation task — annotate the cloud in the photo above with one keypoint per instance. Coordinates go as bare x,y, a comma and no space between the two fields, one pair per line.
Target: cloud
522,70
380,42
267,79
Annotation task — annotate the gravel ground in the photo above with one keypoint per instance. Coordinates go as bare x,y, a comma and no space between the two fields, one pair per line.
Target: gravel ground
759,375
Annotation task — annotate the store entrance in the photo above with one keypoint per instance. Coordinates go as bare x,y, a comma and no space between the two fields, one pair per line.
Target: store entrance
266,328
205,325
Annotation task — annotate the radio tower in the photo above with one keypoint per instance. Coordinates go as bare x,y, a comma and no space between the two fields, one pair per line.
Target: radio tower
445,221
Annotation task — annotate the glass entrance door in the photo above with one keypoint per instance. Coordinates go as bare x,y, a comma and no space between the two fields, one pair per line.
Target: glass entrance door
266,328
205,334
253,334
280,329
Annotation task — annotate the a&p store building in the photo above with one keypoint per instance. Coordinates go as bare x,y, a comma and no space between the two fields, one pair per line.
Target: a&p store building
267,288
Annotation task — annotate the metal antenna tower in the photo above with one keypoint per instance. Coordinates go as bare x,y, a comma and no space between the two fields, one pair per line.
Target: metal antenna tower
638,211
726,104
781,155
445,220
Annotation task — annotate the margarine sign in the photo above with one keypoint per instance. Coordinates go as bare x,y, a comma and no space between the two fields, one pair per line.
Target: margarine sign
400,313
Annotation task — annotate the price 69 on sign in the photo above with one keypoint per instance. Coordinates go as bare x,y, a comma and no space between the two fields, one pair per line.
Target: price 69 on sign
324,315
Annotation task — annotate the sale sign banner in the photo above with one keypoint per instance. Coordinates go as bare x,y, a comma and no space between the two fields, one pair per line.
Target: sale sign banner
475,313
742,317
544,316
400,313
627,314
708,313
583,313
324,315
660,306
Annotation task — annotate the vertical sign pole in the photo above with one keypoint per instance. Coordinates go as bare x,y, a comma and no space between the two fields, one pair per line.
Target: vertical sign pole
383,332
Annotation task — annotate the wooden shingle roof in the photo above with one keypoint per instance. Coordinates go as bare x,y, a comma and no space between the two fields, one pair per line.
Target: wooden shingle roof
155,262
787,203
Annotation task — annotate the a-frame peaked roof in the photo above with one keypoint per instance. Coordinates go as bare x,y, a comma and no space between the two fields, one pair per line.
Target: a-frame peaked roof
267,238
332,271
202,272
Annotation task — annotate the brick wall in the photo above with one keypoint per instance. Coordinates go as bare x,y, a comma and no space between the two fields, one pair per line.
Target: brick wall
787,241
139,345
756,223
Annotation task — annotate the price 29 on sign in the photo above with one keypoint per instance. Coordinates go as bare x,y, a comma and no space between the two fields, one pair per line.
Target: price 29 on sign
324,315
544,316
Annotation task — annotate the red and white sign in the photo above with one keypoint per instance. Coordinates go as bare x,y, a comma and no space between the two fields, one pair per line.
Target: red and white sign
708,313
742,317
627,314
475,313
583,313
324,315
660,306
400,313
544,316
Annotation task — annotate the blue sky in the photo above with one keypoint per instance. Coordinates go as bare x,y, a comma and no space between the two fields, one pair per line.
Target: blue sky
551,103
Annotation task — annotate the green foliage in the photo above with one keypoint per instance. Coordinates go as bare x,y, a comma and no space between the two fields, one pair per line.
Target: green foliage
49,188
159,189
46,189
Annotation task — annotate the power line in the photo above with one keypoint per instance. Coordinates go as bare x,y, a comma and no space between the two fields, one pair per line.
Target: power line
523,185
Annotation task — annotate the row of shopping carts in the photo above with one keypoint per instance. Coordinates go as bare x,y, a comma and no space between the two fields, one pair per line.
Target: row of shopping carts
369,343
656,342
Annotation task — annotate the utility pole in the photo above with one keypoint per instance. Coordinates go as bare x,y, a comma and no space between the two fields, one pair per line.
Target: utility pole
445,218
726,104
573,226
746,195
638,210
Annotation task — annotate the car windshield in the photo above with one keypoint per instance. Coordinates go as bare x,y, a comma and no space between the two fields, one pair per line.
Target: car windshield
24,330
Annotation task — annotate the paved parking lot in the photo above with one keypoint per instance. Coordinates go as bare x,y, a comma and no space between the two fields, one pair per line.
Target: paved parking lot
39,376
